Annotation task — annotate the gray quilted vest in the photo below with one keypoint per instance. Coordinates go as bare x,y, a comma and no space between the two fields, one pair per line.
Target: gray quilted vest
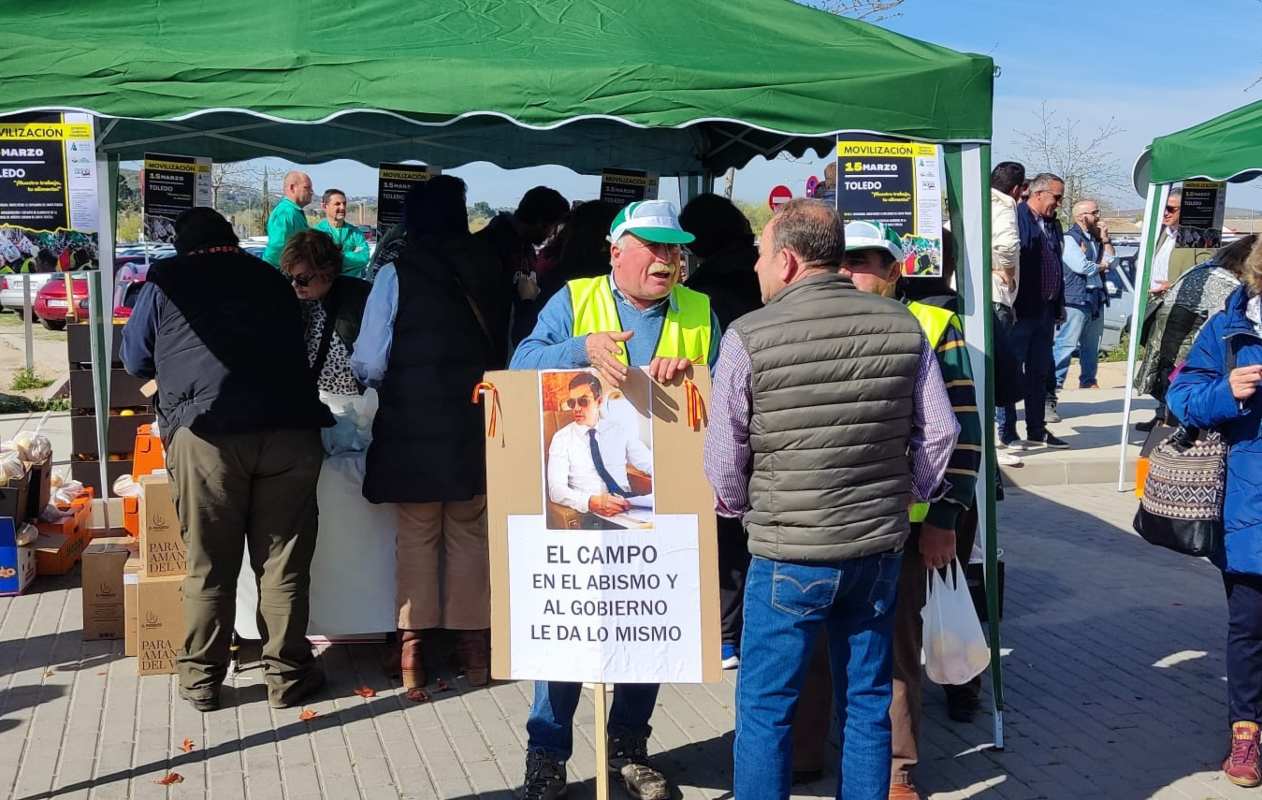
834,373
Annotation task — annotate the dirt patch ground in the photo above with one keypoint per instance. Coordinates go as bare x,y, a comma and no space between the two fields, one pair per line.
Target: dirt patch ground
50,355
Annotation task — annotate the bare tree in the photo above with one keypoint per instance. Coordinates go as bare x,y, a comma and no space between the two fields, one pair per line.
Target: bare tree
874,10
1056,144
239,175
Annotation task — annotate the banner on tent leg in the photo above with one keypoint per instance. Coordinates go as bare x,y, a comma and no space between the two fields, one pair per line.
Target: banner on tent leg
48,199
898,183
394,181
623,186
171,185
604,553
1201,217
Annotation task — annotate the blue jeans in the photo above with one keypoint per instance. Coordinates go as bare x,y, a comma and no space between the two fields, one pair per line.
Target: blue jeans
550,727
1082,333
1031,344
786,606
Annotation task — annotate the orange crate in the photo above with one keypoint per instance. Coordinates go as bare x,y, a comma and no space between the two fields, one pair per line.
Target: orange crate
149,455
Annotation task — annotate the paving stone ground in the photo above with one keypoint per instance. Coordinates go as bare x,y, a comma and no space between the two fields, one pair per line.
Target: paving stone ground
1114,689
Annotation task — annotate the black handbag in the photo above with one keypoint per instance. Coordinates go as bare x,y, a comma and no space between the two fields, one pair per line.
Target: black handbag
1182,506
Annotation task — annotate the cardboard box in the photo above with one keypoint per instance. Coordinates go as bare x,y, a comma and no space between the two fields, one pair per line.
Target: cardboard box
57,553
17,564
131,615
39,490
103,609
14,498
161,543
160,624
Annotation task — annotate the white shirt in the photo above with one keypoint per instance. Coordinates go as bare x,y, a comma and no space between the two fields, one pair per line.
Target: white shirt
572,477
1161,259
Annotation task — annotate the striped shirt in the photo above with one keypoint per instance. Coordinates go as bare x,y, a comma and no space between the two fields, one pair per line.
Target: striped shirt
959,489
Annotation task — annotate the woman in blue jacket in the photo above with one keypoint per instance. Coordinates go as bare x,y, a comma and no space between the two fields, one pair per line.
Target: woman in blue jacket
1207,394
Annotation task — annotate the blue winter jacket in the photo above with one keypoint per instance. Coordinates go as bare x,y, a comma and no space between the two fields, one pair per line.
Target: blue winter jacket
1201,396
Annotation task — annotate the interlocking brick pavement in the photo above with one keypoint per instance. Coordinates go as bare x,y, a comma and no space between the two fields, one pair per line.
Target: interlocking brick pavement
1113,667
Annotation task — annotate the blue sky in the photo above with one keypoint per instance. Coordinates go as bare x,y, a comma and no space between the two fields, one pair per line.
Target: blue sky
1155,65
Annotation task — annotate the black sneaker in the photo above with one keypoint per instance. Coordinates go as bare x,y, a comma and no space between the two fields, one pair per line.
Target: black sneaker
545,777
628,757
1053,441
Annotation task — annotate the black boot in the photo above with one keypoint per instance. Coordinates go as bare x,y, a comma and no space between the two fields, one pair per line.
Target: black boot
629,758
545,777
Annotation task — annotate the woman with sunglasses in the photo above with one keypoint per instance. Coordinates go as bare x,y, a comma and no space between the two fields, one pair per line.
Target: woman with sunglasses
332,308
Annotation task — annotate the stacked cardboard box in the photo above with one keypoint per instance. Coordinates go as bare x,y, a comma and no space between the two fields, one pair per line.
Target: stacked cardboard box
162,564
17,562
104,610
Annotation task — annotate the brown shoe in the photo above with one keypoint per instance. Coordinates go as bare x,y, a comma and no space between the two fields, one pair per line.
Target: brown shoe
1241,766
903,791
475,656
411,665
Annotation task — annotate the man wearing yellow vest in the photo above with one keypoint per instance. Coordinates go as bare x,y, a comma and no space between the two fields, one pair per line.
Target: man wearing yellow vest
638,315
874,259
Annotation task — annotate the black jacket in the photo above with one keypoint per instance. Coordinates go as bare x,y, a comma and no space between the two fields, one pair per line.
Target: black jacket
728,279
428,444
345,305
229,350
1030,302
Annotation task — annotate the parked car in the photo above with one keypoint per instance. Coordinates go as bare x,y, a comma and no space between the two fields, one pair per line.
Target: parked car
11,291
1119,282
51,304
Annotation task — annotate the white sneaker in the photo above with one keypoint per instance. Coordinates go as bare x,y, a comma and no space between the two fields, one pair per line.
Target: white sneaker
1008,460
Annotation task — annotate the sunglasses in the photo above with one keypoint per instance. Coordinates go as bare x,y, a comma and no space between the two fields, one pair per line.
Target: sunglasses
580,402
1172,209
304,280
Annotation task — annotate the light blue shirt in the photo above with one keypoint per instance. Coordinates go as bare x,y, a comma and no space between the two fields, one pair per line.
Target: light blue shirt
376,331
553,345
1086,264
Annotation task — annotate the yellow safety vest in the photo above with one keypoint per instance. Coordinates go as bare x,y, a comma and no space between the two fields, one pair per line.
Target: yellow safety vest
934,322
685,331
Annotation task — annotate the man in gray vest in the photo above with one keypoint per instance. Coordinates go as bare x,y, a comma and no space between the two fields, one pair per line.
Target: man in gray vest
829,417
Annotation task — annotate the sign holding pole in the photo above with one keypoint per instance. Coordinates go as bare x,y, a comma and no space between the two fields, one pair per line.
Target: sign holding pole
897,183
394,181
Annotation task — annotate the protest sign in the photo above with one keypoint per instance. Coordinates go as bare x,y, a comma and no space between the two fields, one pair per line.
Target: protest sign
601,578
393,183
623,186
1201,217
171,185
897,183
47,190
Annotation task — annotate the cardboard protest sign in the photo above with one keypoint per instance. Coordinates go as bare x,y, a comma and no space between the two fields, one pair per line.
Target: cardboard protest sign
1201,217
171,185
897,183
48,197
393,183
608,573
623,186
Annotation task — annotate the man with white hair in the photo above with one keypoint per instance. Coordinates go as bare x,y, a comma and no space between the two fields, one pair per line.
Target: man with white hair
287,218
640,314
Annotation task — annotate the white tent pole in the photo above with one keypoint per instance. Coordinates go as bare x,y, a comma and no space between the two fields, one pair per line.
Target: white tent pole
1156,197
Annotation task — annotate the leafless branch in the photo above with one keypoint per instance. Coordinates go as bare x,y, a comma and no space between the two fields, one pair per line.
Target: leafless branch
874,10
1056,144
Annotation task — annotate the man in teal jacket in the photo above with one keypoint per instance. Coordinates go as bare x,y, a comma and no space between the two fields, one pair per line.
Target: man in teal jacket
287,218
347,237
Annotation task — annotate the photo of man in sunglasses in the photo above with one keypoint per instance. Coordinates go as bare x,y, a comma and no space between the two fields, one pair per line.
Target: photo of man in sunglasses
599,465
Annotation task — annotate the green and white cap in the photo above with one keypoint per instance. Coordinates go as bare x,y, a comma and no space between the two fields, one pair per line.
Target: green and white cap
652,221
863,235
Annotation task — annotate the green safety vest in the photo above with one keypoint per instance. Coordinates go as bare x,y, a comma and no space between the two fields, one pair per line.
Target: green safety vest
934,322
685,331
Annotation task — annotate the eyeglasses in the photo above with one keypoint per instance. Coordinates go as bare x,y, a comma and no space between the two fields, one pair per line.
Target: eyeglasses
1056,197
1172,209
580,402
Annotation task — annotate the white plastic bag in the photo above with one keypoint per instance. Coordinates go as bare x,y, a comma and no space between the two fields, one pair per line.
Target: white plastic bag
955,648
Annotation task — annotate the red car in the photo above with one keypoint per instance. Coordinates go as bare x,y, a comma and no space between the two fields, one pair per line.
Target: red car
51,305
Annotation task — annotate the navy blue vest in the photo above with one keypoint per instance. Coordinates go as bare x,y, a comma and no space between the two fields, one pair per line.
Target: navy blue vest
1077,293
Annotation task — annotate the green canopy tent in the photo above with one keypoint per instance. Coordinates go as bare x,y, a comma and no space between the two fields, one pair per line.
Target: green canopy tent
680,87
1225,148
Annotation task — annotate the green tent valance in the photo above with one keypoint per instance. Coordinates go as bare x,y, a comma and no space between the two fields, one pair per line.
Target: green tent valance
675,85
1227,147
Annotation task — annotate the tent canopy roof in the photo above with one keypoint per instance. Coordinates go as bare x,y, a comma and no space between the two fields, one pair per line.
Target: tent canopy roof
680,86
1225,148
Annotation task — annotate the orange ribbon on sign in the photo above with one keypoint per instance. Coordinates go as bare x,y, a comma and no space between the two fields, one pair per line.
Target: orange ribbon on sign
478,391
696,404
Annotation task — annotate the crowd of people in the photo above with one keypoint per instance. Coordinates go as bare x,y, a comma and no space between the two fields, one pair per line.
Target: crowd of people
833,499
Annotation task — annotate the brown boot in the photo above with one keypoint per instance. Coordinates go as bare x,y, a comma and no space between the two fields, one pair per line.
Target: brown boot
411,665
475,656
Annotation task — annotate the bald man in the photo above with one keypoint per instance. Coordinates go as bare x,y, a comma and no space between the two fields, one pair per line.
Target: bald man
287,218
1087,255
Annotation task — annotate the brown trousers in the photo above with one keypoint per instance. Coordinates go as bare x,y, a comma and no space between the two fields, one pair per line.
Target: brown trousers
443,577
236,493
811,726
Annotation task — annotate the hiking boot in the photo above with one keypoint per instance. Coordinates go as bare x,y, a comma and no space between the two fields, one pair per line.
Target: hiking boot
1049,412
298,693
202,701
1241,766
545,777
411,664
475,656
903,790
628,757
